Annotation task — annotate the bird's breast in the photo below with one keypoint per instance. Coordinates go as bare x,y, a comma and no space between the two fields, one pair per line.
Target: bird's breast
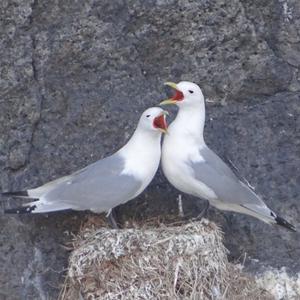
178,149
174,158
142,163
177,155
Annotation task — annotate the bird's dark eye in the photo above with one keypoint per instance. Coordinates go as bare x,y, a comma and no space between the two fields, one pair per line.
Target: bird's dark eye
191,92
148,116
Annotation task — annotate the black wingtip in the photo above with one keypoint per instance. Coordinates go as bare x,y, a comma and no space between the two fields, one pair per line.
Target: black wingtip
20,210
282,222
16,194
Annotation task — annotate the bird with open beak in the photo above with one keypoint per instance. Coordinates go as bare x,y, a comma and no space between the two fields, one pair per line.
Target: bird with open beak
108,182
194,169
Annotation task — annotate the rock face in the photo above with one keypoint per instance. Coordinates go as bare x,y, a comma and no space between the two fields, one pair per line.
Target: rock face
74,77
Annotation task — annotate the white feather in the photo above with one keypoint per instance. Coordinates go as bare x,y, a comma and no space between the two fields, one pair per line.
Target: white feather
142,156
182,144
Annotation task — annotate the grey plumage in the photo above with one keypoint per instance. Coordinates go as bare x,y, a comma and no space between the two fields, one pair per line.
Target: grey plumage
194,169
230,191
98,187
106,183
101,180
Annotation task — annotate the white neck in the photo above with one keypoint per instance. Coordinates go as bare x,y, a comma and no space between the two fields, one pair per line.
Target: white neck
140,140
190,122
142,154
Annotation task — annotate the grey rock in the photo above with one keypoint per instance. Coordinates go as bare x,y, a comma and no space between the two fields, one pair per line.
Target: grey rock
74,77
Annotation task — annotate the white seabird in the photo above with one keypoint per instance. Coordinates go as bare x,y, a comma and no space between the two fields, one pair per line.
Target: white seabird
193,168
108,182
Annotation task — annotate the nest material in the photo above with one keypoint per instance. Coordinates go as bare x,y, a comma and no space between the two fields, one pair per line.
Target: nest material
182,262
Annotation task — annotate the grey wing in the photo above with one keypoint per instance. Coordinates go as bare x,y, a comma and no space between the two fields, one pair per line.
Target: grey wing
214,173
98,187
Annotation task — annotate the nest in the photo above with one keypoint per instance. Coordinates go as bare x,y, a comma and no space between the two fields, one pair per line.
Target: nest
178,262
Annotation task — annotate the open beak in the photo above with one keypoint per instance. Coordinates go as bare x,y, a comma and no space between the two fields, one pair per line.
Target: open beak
160,122
178,96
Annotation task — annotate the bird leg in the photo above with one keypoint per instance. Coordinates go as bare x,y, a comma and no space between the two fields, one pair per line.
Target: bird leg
111,219
203,212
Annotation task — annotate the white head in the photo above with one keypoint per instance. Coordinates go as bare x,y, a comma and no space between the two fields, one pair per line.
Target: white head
186,94
153,119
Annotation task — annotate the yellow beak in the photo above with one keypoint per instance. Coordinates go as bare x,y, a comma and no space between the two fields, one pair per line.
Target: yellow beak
165,131
169,101
172,85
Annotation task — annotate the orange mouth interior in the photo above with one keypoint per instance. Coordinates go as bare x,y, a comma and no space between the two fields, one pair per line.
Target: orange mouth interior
178,96
160,122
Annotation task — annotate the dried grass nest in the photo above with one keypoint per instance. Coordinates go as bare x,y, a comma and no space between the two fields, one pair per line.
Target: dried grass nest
166,262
